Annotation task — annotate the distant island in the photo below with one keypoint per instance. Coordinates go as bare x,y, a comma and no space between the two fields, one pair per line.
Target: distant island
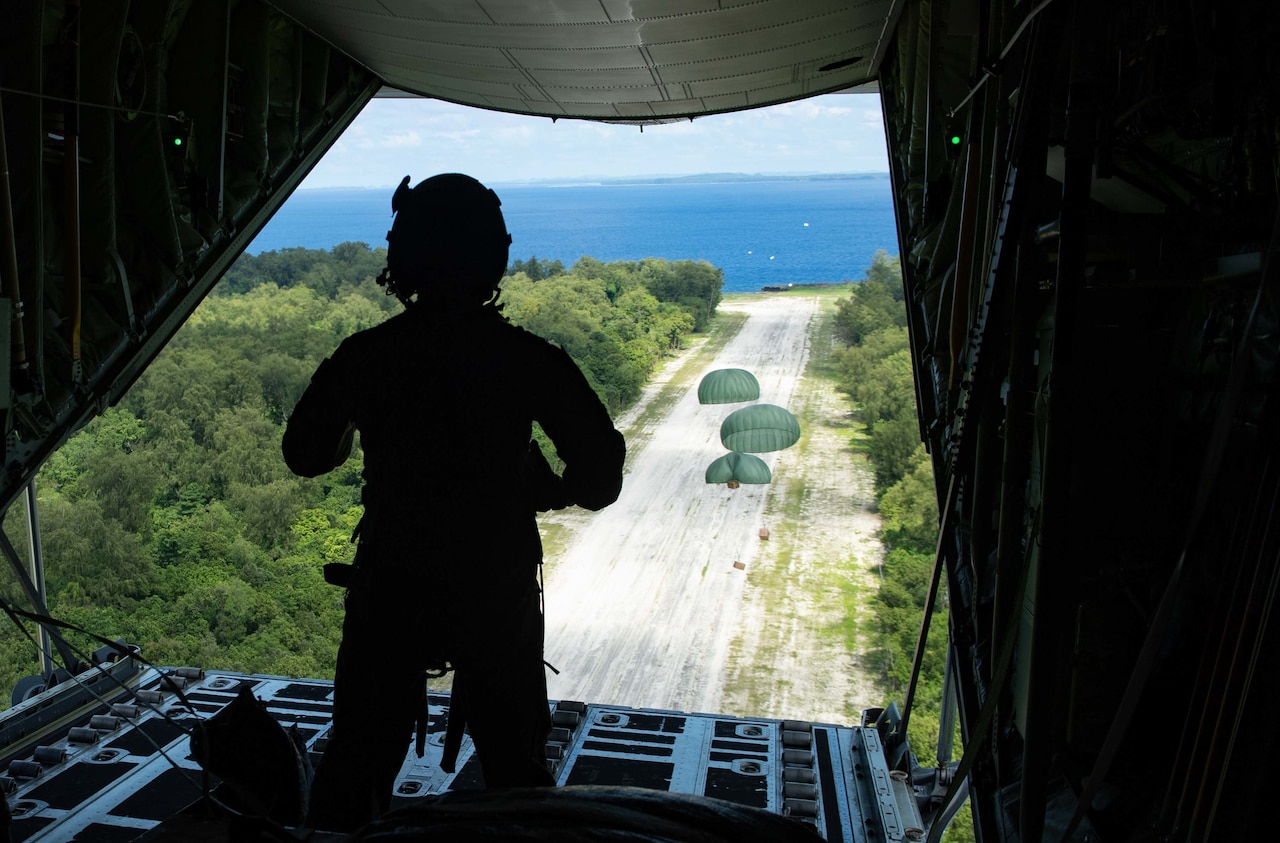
697,178
608,181
720,178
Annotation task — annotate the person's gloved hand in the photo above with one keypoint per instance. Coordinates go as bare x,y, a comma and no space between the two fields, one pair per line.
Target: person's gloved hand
545,488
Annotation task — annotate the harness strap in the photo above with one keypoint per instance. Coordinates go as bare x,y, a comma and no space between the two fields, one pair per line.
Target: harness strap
424,714
457,722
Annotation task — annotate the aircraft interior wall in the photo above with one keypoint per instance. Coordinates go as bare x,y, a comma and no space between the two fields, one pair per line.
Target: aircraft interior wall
177,128
1087,210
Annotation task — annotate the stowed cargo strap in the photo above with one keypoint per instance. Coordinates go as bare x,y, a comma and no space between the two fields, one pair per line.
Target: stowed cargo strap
424,714
435,671
459,704
457,722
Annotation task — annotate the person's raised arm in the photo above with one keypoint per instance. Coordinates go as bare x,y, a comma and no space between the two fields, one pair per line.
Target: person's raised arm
593,451
319,433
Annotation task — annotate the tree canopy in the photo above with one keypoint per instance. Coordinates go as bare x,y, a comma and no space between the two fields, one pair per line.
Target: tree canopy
874,369
171,520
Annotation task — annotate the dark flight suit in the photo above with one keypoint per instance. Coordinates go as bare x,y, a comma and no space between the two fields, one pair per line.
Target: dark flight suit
448,548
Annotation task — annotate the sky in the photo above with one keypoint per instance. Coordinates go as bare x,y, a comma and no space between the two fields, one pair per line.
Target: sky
392,138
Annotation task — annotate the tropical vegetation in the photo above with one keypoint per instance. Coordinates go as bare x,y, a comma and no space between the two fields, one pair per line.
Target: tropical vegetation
171,519
874,370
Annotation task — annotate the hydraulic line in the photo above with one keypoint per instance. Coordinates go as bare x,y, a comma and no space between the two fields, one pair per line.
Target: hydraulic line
36,551
9,255
71,184
961,282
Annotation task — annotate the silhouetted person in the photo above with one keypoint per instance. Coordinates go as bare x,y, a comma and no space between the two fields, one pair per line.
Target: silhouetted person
444,396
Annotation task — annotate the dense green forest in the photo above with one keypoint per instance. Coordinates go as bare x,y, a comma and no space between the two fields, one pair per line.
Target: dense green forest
172,521
874,370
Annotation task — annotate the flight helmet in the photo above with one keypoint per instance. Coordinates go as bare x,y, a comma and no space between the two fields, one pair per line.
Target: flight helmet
448,243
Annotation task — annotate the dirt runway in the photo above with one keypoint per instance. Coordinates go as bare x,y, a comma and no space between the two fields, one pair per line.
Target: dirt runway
644,602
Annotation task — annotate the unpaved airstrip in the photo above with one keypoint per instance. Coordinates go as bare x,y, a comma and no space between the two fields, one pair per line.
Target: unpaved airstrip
644,604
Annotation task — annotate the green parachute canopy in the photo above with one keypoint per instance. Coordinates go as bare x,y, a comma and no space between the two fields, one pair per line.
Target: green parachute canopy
728,386
760,428
735,467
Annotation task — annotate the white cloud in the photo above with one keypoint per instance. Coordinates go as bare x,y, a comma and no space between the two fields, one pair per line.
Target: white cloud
458,135
810,109
520,133
832,133
401,139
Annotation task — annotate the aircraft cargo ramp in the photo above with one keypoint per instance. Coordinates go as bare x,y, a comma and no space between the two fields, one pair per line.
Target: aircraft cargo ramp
109,758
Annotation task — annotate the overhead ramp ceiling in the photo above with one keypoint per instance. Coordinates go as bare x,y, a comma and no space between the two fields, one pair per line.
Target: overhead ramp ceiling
633,60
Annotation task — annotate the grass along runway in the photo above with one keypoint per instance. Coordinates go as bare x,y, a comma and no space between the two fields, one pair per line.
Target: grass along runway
644,604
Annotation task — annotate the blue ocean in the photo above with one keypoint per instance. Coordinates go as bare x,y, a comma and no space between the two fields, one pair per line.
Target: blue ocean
768,233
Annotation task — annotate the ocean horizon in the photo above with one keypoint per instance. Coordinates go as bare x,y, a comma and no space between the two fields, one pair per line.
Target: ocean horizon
761,233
